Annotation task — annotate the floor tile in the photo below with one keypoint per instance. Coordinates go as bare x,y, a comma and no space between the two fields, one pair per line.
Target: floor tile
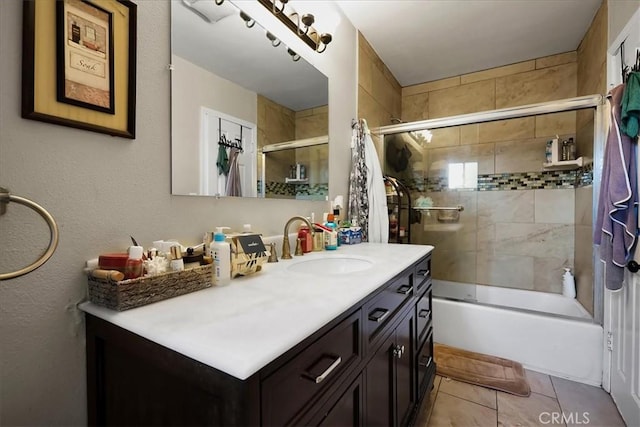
581,401
422,420
481,395
451,411
540,383
535,410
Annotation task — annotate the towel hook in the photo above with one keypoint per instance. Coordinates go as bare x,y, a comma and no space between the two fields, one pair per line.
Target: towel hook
5,198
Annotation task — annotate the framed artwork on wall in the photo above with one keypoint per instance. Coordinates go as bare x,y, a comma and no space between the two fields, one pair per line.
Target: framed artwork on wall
79,64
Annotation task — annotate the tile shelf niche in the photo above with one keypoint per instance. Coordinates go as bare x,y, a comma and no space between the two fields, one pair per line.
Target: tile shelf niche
567,164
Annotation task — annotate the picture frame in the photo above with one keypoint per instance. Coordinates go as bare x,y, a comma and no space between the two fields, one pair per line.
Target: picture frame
82,75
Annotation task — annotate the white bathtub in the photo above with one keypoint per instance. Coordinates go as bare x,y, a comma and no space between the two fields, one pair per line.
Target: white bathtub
551,343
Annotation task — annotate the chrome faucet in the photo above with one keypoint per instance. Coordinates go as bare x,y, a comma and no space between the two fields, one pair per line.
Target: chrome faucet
286,247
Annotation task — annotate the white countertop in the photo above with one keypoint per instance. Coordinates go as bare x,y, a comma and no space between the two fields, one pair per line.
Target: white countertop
241,327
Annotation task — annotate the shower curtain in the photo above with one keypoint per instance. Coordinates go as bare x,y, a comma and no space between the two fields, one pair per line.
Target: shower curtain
367,196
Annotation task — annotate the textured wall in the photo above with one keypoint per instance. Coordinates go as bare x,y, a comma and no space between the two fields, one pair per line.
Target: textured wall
101,189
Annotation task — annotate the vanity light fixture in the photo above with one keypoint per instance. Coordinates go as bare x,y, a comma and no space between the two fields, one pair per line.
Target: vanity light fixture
248,21
294,56
274,41
299,24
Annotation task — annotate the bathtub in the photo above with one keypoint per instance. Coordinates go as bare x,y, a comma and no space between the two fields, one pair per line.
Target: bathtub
503,322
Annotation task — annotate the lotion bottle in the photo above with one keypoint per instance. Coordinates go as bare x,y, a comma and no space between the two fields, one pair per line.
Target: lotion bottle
568,284
221,251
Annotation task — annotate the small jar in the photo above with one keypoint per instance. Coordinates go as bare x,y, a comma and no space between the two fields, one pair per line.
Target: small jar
177,264
134,267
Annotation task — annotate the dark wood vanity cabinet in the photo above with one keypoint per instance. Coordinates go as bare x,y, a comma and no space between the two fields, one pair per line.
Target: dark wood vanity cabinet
370,366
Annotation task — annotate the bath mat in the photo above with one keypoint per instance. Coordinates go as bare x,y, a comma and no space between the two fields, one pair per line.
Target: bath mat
481,369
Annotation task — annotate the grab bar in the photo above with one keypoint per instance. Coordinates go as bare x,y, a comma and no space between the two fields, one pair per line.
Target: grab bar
458,208
5,198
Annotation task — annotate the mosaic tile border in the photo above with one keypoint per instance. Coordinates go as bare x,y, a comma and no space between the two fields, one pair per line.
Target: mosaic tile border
543,180
315,191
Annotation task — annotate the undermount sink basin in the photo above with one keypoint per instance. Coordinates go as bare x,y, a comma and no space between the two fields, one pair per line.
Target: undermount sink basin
331,266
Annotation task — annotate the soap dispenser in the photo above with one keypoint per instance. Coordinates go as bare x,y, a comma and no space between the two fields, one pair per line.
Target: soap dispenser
568,284
221,251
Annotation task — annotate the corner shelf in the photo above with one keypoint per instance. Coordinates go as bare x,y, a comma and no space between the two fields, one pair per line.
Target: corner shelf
296,181
565,165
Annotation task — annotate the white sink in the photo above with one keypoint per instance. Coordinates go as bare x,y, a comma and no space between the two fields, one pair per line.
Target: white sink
331,266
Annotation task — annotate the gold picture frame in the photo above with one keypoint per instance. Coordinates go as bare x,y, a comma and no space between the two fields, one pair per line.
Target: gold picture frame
43,66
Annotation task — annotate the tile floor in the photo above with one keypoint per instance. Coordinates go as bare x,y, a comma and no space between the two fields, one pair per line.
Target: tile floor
553,402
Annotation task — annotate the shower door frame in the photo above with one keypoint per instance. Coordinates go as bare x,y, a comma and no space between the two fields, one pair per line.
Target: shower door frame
568,104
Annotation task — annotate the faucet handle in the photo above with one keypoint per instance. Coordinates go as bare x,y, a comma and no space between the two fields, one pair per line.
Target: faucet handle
273,255
298,251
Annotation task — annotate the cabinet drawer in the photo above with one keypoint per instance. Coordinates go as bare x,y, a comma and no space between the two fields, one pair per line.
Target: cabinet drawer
425,364
423,316
422,274
384,306
286,392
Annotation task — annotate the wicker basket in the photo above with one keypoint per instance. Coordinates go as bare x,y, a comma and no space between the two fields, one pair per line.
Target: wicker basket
133,293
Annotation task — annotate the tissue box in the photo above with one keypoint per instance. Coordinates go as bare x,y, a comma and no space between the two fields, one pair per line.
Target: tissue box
248,253
350,236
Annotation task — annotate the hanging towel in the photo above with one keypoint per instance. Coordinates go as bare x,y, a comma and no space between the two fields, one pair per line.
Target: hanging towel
630,116
223,160
378,224
358,193
617,220
234,186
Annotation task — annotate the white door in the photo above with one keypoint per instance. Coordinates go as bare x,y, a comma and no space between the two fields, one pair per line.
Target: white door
622,308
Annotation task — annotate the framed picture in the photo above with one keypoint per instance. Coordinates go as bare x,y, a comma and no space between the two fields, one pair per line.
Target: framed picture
79,64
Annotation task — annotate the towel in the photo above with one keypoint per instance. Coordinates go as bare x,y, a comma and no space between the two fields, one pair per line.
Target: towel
630,116
223,161
617,220
378,227
234,186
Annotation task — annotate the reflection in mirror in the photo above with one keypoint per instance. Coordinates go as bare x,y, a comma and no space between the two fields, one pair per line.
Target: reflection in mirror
236,89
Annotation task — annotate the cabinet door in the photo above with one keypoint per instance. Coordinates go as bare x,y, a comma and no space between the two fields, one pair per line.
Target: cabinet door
405,394
346,410
380,397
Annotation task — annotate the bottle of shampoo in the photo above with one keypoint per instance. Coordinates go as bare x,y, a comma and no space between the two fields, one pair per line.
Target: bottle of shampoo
331,236
221,251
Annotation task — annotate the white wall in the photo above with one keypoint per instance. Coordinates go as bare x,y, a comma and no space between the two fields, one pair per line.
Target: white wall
187,97
102,189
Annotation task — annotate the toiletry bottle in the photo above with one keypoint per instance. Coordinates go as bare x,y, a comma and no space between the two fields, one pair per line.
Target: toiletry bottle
221,251
304,234
133,267
568,284
331,236
177,263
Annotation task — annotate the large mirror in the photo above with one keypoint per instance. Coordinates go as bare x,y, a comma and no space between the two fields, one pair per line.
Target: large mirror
249,116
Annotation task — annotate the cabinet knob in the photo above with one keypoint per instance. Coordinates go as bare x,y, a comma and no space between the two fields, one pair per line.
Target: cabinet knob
398,351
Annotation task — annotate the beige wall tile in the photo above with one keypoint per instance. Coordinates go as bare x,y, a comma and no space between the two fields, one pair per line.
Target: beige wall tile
415,107
505,270
469,98
441,157
445,137
385,94
469,134
486,239
365,69
431,86
495,207
454,266
559,59
592,54
555,206
548,273
584,205
369,109
492,73
536,240
536,86
520,156
549,125
584,133
507,130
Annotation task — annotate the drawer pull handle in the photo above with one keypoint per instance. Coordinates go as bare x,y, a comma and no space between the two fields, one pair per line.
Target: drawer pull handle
378,314
427,363
318,379
424,313
425,273
404,289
